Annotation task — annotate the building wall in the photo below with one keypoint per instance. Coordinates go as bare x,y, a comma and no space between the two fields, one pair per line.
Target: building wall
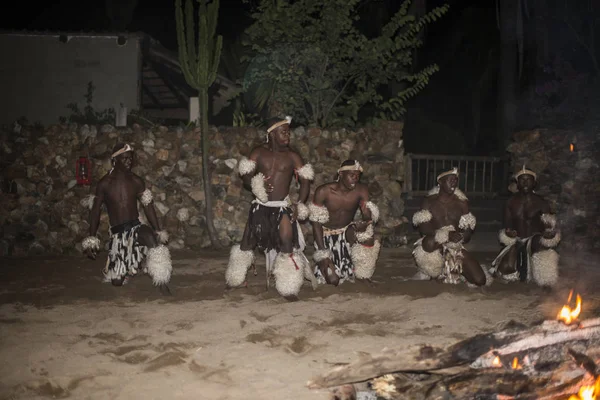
40,75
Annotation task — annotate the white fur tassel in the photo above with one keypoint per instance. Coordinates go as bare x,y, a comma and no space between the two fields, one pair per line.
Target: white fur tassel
288,278
322,254
318,214
258,187
551,242
146,197
421,217
307,172
467,221
364,259
163,236
366,235
303,211
91,242
88,201
441,235
505,239
238,265
246,166
549,220
374,211
544,267
159,265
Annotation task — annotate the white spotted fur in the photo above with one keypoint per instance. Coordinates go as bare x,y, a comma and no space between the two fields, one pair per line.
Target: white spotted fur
318,214
307,172
258,187
159,265
238,265
467,221
430,264
421,217
544,267
288,279
88,201
551,242
146,197
441,235
91,242
364,259
163,236
246,166
366,235
303,211
505,239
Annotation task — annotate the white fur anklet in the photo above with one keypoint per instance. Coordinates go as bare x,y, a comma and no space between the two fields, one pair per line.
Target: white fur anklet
289,274
364,259
159,265
238,265
91,242
322,254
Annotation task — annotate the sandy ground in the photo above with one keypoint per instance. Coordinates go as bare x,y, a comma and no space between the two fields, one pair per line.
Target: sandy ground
64,334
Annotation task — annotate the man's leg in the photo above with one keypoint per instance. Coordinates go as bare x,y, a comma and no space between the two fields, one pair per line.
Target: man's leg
364,251
288,268
544,264
472,270
241,258
158,259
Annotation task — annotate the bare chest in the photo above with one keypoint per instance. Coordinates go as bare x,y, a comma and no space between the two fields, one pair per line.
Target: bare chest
446,213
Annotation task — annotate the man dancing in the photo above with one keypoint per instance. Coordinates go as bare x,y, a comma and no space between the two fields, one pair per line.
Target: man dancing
131,242
344,249
529,236
445,224
272,224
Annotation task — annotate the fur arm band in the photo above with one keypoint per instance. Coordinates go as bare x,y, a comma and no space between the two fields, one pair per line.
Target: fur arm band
306,172
246,166
88,201
374,211
505,239
258,187
467,221
91,242
318,214
441,235
549,220
550,243
421,217
163,236
322,254
303,211
146,197
366,235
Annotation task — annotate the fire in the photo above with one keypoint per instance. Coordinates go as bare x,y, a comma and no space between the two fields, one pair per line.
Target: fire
571,147
515,363
568,315
497,362
591,392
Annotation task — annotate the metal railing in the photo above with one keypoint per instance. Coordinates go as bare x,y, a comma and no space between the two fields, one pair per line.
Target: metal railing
478,176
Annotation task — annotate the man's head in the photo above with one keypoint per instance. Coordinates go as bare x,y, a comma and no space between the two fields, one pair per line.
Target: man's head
526,180
122,156
349,173
278,131
448,181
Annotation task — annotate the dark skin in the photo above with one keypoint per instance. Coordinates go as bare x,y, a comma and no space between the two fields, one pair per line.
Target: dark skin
522,218
278,162
342,199
446,209
120,191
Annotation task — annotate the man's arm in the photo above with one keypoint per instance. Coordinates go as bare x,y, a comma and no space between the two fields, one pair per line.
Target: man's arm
467,222
247,168
147,200
96,202
423,219
305,174
551,236
319,215
507,234
370,215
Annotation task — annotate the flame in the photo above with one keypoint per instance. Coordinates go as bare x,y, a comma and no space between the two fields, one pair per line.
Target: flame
497,362
571,147
515,363
591,392
568,315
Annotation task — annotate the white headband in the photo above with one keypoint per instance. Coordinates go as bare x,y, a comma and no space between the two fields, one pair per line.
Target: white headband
525,171
125,149
287,120
354,167
453,171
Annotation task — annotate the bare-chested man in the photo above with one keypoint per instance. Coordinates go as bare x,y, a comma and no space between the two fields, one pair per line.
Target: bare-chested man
272,224
344,249
131,242
529,236
446,223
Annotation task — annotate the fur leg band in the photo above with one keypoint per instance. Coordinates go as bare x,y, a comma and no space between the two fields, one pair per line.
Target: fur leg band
322,254
364,259
239,263
544,267
258,187
246,166
289,274
318,214
366,235
467,221
553,242
306,172
163,236
421,217
549,220
430,264
146,197
91,242
159,265
374,211
88,201
505,239
303,211
441,235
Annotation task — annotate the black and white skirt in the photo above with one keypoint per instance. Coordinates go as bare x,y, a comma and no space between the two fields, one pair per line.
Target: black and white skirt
125,254
340,248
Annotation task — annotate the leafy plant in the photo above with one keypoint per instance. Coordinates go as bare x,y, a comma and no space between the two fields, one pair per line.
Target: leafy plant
320,68
89,115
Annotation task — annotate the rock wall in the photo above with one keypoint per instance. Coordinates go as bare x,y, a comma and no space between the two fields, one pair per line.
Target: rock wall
42,208
567,165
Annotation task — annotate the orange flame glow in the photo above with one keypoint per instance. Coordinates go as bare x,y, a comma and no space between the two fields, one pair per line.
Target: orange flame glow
591,392
515,363
568,315
571,147
497,362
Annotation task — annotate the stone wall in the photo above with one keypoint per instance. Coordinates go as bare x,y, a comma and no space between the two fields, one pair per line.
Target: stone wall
41,205
568,177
